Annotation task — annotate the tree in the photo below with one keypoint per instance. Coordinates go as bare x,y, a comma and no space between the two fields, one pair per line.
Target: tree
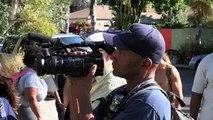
4,19
93,13
126,12
173,13
21,16
202,12
79,5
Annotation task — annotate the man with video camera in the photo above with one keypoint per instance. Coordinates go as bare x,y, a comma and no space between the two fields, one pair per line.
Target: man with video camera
139,51
101,85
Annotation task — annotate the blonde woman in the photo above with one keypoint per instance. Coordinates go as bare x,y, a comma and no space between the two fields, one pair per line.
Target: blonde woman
9,65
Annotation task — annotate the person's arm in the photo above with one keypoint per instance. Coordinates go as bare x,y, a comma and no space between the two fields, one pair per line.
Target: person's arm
30,94
195,104
176,85
66,92
80,107
58,99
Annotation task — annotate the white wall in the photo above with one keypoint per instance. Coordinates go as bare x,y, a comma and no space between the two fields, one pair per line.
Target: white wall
102,25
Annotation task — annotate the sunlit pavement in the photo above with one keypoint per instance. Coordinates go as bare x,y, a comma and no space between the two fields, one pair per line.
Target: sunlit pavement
48,110
187,76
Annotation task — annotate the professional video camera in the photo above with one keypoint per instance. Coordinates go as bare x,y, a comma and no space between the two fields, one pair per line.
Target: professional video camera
59,61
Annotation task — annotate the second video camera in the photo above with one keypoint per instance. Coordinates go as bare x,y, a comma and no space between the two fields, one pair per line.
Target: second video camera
60,61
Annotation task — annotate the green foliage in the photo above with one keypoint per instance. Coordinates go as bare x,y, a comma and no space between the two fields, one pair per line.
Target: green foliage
41,16
31,14
4,19
41,25
32,21
122,15
59,12
208,22
126,12
191,48
173,13
202,11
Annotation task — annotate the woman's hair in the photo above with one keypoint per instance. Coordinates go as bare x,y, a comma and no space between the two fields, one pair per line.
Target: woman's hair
30,53
7,90
11,63
166,58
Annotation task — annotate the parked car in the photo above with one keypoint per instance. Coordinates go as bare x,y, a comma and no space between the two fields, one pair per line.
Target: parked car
70,38
195,60
67,39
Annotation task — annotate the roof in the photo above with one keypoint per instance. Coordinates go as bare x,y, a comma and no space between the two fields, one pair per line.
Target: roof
105,13
102,12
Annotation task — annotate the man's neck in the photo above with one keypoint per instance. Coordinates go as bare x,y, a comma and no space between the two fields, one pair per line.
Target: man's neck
131,83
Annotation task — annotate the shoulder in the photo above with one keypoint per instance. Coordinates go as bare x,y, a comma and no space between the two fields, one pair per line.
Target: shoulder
3,100
146,106
171,67
205,62
208,57
30,75
29,79
205,65
6,109
152,98
173,71
6,104
149,97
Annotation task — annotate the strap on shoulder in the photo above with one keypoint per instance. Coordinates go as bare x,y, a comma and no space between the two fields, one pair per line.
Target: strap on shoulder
155,86
19,74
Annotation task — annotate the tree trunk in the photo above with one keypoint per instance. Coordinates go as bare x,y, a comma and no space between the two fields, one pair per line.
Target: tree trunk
93,13
14,5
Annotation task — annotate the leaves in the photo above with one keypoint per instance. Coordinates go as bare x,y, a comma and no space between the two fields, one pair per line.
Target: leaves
126,12
31,14
202,11
45,27
173,13
4,13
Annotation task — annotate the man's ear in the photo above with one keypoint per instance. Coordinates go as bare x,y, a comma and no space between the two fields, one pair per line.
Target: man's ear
147,62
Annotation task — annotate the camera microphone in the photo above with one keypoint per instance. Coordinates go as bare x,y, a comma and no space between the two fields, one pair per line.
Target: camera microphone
39,38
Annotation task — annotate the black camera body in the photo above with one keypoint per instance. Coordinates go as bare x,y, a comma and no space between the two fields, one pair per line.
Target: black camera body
60,61
71,65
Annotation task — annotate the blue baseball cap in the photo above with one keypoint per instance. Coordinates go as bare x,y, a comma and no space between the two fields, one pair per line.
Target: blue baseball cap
142,39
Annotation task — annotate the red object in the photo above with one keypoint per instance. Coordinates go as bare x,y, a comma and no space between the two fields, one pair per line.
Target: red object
167,34
17,75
